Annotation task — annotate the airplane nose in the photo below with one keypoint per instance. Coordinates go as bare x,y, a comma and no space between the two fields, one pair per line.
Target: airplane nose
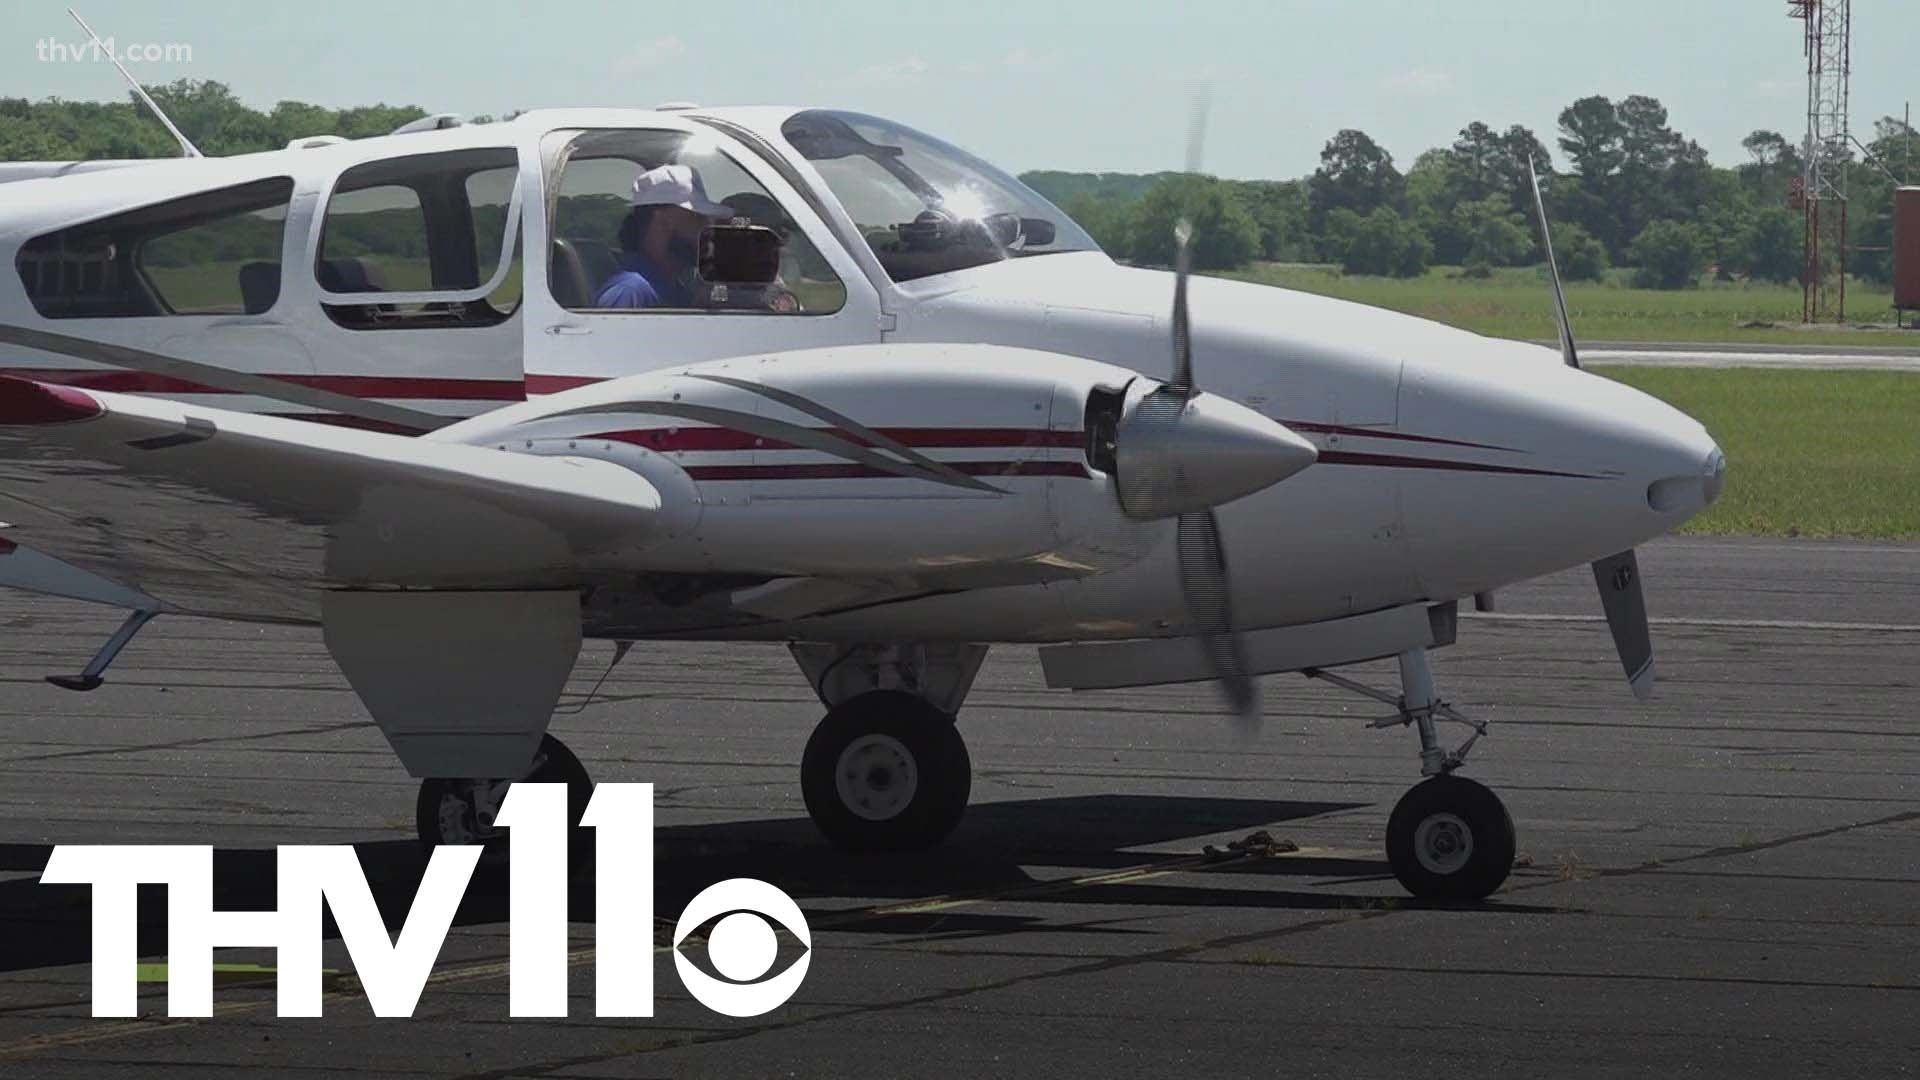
1716,475
1688,493
1179,453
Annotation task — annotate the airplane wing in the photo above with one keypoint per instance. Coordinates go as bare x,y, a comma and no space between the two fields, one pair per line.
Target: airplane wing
224,513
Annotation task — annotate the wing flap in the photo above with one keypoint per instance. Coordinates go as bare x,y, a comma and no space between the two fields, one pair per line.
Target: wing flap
230,513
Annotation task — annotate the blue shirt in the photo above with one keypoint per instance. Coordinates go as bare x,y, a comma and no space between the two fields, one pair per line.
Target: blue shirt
642,283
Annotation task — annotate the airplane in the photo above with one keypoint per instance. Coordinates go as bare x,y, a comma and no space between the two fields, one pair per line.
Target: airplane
912,412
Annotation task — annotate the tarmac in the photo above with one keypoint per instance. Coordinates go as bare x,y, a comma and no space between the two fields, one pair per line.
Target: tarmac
1893,351
1723,882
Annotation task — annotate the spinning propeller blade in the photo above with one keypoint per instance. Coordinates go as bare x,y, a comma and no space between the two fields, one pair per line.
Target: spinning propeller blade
1208,592
1204,583
1618,576
1178,453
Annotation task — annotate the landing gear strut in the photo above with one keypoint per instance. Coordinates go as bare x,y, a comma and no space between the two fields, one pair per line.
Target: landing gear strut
1448,838
886,771
463,811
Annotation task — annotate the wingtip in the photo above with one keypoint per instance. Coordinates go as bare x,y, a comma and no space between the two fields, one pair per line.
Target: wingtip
24,401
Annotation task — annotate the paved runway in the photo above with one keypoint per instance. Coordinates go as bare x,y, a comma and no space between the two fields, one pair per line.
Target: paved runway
1723,882
1897,354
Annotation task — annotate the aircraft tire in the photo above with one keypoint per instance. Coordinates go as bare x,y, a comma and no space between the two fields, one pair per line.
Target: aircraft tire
886,771
444,812
1450,839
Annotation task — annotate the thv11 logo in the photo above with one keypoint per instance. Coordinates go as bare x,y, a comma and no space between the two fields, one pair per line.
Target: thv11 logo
393,971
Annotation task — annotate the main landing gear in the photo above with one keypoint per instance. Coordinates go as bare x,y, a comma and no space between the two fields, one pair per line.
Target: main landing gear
1448,839
463,811
886,771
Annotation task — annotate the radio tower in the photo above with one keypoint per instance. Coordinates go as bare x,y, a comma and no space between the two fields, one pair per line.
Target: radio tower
1826,151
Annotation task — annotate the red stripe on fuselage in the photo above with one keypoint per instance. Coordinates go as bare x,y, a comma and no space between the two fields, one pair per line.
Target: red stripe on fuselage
1376,433
395,387
1395,461
863,472
718,439
553,384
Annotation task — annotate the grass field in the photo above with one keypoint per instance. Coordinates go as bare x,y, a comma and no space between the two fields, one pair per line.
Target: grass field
1809,453
1515,302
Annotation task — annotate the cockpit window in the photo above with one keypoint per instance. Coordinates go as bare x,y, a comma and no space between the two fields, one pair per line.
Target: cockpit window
923,206
626,211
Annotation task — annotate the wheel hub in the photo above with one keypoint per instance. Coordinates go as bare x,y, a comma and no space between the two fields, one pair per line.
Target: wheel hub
466,813
876,778
1443,843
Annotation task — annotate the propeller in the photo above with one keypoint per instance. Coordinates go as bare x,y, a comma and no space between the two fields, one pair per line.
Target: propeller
1617,576
1179,453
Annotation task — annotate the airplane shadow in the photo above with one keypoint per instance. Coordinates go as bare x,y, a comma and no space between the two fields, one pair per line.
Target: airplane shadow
49,925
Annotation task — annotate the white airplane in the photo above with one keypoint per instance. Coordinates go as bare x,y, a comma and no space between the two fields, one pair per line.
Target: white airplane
908,410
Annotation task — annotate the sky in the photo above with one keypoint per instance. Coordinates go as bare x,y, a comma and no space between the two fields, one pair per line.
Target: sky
1089,85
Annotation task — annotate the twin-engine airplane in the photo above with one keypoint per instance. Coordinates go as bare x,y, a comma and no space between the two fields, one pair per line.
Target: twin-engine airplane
908,410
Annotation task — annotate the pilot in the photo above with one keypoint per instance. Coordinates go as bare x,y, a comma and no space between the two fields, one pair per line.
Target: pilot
660,241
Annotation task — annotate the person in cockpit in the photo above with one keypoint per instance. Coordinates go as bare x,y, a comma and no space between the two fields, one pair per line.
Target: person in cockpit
660,241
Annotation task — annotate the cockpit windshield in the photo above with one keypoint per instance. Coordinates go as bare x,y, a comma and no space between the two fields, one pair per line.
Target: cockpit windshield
923,206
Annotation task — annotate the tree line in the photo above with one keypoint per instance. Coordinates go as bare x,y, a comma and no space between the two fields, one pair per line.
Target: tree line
1634,192
206,111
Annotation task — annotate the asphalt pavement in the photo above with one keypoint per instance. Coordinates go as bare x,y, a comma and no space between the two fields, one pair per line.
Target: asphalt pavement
1724,881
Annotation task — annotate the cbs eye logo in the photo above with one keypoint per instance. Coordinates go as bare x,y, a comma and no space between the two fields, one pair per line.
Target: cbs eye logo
742,947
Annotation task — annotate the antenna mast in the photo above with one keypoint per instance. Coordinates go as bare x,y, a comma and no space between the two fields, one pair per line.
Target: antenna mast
187,149
1826,152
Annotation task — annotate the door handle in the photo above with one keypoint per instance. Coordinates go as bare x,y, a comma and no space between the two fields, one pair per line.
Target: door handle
569,329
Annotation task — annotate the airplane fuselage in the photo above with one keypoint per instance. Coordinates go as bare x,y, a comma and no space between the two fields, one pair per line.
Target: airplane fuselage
1449,463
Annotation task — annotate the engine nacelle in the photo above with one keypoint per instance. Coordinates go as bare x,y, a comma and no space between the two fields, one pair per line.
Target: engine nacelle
955,463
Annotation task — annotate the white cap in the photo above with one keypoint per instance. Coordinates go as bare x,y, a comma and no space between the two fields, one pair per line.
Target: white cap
676,185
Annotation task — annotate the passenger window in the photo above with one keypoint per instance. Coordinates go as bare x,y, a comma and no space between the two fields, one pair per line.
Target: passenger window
607,254
214,253
375,240
423,224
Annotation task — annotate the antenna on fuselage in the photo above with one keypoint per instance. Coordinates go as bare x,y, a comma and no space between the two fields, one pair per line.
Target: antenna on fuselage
187,149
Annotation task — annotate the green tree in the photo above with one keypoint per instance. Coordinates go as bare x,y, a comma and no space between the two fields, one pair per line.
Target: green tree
1058,187
208,114
1772,166
1668,254
1495,235
1279,210
1381,242
1225,236
1592,135
1433,191
1581,257
1771,245
1895,149
1490,162
1355,174
1107,219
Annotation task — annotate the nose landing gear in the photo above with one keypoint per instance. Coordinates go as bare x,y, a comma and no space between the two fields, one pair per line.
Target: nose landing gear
1449,838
